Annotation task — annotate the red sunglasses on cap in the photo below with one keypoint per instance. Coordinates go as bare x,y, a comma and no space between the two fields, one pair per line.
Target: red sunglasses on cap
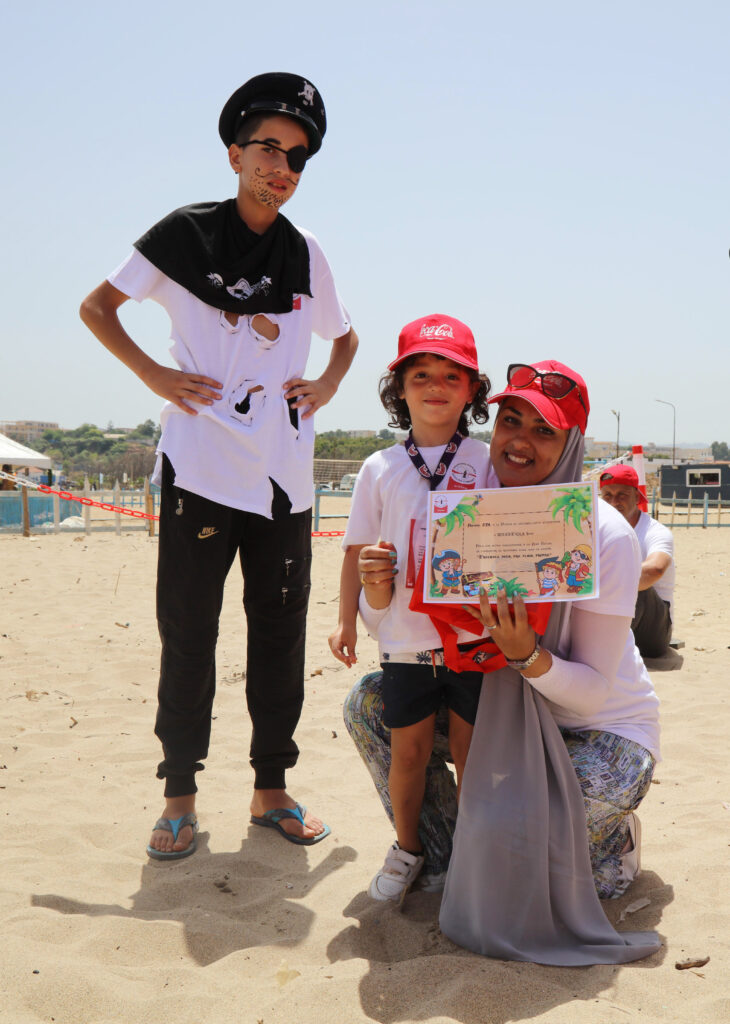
553,384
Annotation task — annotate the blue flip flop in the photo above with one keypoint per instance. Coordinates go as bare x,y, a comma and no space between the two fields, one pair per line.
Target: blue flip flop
272,818
174,825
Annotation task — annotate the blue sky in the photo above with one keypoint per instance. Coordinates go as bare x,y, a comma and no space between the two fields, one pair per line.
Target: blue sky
554,174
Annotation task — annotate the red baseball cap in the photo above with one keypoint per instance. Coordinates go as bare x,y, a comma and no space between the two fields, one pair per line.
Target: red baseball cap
438,335
621,474
556,392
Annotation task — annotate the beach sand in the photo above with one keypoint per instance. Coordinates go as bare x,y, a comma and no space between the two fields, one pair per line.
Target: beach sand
94,932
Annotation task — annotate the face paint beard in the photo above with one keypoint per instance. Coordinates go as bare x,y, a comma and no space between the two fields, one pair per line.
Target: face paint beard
265,195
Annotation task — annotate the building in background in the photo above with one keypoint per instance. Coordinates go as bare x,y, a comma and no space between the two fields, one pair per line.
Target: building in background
26,431
607,450
694,480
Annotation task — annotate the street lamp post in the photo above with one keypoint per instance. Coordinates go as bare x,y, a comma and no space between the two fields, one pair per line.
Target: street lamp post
618,428
674,425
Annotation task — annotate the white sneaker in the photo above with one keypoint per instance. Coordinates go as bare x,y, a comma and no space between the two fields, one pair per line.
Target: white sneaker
396,876
631,859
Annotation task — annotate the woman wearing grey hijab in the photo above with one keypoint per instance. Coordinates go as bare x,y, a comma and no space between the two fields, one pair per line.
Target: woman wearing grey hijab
565,741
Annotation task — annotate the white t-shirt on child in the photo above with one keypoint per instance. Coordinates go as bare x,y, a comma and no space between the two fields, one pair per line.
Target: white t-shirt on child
389,503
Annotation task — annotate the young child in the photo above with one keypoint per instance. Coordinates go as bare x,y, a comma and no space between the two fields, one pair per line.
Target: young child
244,290
430,388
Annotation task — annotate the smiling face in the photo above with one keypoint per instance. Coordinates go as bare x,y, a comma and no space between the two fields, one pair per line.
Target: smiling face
264,176
525,449
624,499
436,391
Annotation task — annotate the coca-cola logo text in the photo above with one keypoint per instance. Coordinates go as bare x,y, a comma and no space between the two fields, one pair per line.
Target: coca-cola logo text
436,331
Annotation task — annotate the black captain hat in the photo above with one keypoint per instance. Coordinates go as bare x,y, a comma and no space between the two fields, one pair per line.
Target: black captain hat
276,92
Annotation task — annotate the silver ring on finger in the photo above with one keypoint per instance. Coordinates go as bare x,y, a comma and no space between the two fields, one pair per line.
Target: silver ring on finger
495,626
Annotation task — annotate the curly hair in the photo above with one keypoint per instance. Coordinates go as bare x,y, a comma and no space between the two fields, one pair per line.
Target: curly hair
391,384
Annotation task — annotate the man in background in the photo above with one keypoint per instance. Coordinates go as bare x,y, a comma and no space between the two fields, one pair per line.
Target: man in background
652,623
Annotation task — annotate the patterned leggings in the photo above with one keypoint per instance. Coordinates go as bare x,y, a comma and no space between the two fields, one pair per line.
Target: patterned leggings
614,774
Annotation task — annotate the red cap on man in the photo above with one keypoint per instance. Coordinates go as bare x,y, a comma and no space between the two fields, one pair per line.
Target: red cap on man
621,474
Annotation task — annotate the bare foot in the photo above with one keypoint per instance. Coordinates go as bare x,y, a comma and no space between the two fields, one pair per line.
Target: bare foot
270,799
175,807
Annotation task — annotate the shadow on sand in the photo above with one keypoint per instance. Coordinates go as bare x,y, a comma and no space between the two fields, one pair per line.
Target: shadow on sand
217,896
672,661
464,986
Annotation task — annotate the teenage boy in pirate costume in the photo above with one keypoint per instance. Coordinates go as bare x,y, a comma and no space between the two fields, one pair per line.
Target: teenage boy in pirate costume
244,290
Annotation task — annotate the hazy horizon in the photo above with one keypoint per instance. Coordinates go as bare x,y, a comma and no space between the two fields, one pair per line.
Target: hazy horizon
623,445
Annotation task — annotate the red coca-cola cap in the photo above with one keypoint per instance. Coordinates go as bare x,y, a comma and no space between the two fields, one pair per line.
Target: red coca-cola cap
439,335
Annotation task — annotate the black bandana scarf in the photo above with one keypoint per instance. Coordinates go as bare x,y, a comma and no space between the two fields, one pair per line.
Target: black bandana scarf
209,250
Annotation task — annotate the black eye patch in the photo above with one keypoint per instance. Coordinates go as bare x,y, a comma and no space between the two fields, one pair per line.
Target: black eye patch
296,157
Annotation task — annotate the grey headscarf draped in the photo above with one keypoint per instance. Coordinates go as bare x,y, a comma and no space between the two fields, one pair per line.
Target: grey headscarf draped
520,885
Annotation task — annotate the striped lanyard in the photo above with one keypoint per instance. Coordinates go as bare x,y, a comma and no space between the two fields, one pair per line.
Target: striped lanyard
447,456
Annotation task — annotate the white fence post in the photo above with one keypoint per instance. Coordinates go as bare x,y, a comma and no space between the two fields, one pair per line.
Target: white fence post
117,500
87,509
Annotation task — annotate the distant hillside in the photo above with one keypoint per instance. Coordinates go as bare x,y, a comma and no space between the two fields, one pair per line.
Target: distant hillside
338,444
88,450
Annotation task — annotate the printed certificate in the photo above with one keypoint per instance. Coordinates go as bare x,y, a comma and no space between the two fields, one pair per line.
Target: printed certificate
537,542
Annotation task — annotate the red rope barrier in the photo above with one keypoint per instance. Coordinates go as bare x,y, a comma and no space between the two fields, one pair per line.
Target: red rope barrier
67,496
135,513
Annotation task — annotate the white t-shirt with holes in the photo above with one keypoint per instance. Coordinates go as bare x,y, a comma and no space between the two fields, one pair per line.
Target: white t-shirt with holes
230,449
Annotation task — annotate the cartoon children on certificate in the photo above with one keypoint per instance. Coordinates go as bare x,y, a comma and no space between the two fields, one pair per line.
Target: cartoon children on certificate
549,575
447,566
577,567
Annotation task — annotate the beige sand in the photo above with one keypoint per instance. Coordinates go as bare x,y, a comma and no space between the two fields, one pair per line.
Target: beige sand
92,932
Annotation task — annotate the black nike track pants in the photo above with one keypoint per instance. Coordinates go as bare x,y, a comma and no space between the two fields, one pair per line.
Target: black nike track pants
198,542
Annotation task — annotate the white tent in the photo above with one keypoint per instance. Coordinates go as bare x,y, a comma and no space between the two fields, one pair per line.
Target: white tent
12,453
